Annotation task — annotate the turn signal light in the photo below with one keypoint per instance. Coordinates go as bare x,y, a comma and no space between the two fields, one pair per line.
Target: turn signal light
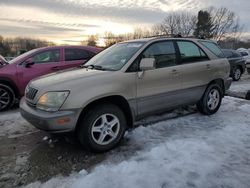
63,121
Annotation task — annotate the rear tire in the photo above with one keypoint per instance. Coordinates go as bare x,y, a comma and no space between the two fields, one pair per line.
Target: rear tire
211,100
248,70
7,97
237,74
102,128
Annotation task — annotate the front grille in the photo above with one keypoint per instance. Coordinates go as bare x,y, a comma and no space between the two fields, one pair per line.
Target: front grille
31,93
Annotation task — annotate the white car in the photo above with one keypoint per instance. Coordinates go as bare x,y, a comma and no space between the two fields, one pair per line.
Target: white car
246,55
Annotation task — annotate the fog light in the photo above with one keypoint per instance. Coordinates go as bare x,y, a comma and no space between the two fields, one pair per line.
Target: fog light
63,121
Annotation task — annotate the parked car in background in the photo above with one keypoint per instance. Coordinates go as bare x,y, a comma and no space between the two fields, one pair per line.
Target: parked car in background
16,74
248,65
237,63
124,83
8,58
2,60
245,53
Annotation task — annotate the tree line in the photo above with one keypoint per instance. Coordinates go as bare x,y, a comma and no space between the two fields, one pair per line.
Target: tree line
219,24
15,46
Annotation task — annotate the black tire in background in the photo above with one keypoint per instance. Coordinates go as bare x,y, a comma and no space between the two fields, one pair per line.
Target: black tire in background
87,125
7,97
211,100
236,74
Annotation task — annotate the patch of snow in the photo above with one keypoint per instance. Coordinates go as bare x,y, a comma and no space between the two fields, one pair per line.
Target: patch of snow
45,138
83,172
191,151
242,85
13,125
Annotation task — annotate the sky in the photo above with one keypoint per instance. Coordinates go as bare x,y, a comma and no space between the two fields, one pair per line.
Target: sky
69,21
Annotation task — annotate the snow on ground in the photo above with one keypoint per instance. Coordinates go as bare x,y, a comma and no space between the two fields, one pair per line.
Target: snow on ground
13,125
243,85
240,87
191,151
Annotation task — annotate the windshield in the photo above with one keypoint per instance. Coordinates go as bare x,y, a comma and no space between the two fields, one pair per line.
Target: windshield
22,56
115,57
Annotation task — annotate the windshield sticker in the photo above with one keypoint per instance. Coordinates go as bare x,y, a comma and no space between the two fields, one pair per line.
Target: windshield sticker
134,45
123,60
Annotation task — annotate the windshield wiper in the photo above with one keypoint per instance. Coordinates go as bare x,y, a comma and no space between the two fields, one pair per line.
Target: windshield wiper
96,67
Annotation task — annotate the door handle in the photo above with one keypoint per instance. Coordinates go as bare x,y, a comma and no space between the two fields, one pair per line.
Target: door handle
55,68
208,66
175,72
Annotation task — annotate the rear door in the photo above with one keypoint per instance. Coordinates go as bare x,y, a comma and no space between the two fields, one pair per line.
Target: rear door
74,57
45,62
158,89
195,70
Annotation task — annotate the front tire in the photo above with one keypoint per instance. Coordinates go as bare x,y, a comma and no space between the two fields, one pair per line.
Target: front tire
7,97
237,74
211,100
102,128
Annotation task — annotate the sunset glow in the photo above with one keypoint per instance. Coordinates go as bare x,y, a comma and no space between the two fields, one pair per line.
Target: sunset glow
71,21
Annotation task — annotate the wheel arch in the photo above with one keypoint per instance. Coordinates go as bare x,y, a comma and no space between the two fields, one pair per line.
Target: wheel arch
220,82
11,84
241,68
117,100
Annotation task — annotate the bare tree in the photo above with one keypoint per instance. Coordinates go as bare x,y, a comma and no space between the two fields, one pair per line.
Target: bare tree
176,23
110,38
15,46
92,40
225,23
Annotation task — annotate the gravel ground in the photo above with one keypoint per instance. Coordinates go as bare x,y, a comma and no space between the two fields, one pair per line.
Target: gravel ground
28,155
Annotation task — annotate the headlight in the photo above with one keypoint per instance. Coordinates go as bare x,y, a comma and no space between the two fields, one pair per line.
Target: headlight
52,101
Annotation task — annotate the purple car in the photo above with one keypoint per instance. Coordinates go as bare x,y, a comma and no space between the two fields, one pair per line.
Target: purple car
2,60
16,74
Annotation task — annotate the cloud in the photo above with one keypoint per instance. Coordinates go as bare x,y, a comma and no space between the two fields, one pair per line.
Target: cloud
85,15
55,24
136,11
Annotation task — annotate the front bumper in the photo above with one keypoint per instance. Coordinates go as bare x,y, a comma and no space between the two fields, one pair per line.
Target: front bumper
227,83
54,122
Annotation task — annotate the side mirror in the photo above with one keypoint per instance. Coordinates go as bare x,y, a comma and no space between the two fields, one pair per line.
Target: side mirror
28,63
147,64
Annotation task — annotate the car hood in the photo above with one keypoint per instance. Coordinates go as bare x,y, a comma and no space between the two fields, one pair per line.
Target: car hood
65,77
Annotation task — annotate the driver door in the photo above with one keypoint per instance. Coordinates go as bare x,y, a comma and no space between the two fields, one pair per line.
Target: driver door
45,62
158,89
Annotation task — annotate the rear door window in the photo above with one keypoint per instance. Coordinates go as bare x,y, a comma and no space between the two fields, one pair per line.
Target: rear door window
190,52
76,54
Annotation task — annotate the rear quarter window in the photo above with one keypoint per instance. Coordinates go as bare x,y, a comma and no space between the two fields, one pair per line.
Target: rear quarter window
214,48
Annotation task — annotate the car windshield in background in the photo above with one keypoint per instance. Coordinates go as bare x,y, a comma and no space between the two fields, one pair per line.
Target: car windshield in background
22,56
244,54
115,57
213,47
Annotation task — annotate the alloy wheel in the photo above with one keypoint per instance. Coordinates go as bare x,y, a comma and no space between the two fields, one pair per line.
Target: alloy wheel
4,98
105,129
237,74
213,99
